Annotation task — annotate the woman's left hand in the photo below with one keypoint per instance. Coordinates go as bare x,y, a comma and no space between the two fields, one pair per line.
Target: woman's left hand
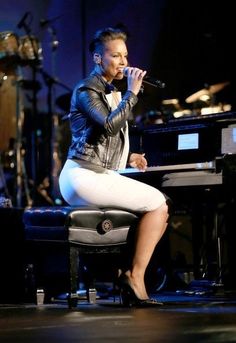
138,161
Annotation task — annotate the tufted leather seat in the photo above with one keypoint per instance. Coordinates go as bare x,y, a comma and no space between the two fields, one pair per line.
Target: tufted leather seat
82,229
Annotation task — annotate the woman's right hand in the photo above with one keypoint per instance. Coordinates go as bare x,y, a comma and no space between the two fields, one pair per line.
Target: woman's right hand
134,79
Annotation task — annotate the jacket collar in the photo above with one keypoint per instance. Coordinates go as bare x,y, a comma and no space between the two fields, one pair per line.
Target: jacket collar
107,87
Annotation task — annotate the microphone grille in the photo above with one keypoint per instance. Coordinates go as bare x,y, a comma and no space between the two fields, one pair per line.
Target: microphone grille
125,71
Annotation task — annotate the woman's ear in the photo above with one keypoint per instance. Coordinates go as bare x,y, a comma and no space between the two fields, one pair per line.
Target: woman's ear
97,58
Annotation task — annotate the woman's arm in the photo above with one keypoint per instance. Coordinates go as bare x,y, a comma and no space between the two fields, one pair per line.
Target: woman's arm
96,108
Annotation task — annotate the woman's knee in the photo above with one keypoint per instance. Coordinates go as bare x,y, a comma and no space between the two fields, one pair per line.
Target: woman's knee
165,209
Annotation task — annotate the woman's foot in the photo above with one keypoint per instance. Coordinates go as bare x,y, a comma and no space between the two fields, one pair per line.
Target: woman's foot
137,284
129,296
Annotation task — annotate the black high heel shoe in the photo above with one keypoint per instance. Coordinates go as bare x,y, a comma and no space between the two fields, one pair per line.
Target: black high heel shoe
129,298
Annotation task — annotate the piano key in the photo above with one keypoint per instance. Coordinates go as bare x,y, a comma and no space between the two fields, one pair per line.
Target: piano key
209,165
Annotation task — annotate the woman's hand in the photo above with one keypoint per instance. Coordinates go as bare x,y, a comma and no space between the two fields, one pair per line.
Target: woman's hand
134,79
138,161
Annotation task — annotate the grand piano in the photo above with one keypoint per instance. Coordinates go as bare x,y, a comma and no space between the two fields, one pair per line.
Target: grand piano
193,160
189,143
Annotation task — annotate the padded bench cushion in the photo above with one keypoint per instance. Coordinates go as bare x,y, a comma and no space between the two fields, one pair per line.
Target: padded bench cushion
46,223
80,225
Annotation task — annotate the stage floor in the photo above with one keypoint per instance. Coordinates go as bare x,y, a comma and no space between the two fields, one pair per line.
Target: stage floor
182,318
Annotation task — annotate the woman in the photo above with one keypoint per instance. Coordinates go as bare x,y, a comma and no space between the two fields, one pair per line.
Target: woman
100,146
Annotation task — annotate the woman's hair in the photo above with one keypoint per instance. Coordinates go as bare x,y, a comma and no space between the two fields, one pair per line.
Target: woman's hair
105,35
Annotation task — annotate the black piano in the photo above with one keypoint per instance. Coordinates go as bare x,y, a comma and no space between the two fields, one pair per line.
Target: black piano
193,160
185,144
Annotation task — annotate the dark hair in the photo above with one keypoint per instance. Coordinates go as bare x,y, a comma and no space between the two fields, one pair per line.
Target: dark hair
105,35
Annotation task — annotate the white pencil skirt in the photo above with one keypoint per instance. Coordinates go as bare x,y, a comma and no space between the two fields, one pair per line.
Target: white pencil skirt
79,186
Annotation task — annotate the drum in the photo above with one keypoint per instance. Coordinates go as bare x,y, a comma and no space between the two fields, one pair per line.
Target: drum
8,97
30,50
215,109
8,48
182,113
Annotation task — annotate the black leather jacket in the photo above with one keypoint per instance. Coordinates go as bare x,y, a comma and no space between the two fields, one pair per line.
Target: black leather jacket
96,130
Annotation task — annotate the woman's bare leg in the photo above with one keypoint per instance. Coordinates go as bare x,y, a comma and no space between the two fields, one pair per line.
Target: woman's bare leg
149,232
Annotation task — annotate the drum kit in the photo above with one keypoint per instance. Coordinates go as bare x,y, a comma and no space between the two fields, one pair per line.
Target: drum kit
203,102
15,53
207,98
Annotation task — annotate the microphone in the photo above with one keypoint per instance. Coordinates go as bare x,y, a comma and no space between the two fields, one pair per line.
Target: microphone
44,22
148,80
22,21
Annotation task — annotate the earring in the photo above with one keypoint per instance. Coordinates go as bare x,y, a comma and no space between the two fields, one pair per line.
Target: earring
97,58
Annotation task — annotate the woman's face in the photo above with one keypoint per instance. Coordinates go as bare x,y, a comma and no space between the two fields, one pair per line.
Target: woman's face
114,60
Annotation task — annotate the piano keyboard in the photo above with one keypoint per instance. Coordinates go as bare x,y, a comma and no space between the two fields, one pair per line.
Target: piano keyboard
210,165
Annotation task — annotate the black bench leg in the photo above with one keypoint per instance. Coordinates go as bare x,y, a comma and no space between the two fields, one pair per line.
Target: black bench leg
73,268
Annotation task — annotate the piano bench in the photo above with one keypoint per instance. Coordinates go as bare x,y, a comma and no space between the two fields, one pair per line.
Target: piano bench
78,230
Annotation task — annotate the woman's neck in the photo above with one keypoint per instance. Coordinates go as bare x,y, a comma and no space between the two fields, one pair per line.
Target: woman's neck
98,70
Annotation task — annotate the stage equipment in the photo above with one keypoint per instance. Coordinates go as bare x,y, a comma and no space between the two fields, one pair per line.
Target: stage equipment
206,93
9,48
15,53
187,160
51,81
30,50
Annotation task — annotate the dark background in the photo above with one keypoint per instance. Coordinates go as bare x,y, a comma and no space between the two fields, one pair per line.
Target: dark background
187,44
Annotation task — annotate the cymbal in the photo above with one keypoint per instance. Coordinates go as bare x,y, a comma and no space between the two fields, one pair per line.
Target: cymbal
206,92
